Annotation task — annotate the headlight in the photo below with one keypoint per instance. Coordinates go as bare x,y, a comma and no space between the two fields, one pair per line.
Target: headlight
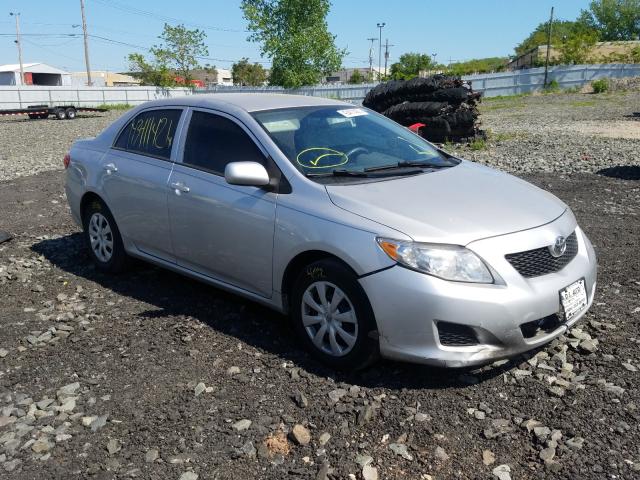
449,262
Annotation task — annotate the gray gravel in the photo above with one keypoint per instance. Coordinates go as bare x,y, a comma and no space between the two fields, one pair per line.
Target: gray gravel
559,133
33,146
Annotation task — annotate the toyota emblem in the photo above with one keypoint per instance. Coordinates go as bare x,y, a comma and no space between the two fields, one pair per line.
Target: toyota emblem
559,247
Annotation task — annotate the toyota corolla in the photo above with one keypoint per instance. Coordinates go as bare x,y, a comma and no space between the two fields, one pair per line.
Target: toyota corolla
371,239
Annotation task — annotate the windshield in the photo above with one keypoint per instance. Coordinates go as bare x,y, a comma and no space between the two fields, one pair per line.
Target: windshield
347,140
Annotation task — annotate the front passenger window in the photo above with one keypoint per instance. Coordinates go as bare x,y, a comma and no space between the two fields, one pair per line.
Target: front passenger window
214,141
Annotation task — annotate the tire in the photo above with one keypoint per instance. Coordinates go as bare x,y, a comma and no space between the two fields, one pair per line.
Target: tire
105,247
60,113
358,322
71,113
410,113
33,116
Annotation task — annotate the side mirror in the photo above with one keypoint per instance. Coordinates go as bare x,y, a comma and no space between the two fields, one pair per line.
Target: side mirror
246,173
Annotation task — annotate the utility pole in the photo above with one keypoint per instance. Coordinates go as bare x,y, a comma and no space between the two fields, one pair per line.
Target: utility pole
546,63
371,58
380,27
17,15
386,56
86,44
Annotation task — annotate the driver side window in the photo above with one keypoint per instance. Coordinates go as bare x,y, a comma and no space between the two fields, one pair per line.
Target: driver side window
214,141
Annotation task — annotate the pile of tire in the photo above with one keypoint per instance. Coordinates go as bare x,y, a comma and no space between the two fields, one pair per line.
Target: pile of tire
447,106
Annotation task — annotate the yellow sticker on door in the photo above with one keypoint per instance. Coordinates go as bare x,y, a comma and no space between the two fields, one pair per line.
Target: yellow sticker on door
321,157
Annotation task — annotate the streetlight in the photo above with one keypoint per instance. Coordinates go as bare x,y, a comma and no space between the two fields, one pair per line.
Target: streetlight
17,15
380,27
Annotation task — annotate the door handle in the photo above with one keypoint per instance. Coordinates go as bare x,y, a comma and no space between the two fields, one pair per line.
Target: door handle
179,188
110,168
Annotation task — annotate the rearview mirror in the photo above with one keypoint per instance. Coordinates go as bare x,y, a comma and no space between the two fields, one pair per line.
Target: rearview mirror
246,173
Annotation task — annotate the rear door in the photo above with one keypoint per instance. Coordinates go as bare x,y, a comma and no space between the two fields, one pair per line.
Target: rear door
219,230
135,175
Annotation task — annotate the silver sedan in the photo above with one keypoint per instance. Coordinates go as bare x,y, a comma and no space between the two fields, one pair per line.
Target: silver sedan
373,240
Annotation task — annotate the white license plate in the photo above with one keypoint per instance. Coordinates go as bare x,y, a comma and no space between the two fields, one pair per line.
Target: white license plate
573,299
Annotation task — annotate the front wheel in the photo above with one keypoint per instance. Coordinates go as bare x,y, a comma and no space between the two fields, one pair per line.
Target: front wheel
103,238
333,317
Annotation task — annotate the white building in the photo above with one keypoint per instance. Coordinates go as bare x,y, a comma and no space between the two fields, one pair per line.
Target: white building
102,78
34,74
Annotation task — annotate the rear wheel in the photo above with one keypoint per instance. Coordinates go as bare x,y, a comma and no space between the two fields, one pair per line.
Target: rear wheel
60,113
103,238
71,113
333,317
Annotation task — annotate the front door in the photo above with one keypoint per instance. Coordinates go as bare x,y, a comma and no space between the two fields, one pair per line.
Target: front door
135,173
220,230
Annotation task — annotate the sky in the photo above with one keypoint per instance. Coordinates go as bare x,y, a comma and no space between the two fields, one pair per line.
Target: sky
453,30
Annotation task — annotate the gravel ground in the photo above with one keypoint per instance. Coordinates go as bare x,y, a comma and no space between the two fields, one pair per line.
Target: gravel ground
152,375
560,133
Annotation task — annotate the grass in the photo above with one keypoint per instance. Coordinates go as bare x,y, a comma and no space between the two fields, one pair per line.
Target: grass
504,136
115,106
478,144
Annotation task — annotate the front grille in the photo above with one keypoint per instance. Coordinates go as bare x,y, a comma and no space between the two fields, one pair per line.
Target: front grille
537,262
454,335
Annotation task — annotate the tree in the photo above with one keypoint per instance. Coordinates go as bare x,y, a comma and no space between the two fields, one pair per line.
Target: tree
410,65
155,73
480,65
181,49
245,73
356,77
576,49
179,54
294,35
561,29
614,20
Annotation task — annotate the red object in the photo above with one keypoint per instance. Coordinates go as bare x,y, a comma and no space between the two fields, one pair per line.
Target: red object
66,161
416,126
28,78
181,81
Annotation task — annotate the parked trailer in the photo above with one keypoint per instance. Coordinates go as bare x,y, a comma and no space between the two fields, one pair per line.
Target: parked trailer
61,112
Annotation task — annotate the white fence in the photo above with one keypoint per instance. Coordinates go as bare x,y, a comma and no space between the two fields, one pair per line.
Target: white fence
347,93
531,80
491,84
21,97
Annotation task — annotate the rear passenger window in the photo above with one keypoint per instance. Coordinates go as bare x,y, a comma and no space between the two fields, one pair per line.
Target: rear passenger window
213,141
150,133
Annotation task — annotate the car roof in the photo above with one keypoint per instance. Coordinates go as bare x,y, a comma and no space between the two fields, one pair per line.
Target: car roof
250,102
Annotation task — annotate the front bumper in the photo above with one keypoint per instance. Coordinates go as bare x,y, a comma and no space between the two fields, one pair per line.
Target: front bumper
408,305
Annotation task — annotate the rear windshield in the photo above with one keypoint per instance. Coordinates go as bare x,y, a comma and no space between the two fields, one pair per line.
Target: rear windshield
322,139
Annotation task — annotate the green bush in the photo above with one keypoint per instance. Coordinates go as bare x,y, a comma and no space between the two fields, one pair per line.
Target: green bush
552,86
600,86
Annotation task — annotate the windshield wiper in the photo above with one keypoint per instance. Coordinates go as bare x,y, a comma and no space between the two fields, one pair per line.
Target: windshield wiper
393,166
338,173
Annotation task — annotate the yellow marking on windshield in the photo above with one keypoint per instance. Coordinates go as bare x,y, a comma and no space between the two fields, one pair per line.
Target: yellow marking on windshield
414,148
314,161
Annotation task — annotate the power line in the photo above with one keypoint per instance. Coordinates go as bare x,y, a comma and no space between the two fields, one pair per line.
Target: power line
140,47
164,18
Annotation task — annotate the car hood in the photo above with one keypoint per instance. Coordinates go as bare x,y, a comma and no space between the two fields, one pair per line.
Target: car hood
456,205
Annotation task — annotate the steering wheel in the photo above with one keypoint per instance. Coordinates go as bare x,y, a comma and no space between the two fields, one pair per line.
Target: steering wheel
357,150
